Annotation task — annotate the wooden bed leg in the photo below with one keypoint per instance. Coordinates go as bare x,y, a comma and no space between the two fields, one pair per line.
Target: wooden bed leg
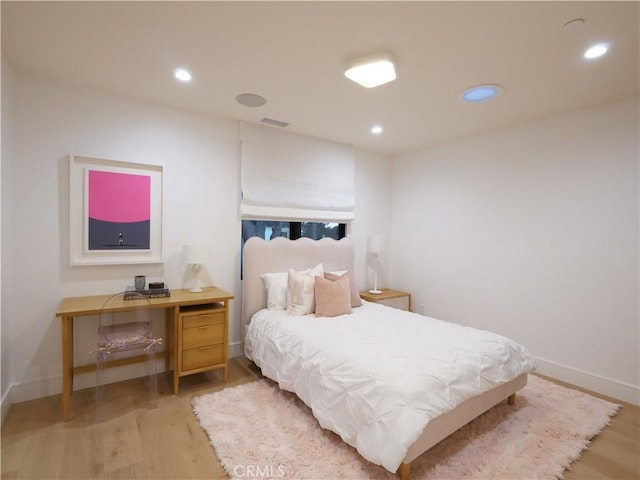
512,399
404,470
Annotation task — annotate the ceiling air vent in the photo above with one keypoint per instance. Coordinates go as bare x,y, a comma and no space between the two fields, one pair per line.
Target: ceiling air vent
275,123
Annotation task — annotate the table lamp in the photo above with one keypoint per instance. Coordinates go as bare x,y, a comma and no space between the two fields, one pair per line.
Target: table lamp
374,246
196,255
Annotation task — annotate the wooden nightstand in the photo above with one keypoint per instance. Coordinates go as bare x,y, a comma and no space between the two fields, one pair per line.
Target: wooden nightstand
201,335
389,297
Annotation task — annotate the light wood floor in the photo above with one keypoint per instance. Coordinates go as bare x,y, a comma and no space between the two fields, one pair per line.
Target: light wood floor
167,443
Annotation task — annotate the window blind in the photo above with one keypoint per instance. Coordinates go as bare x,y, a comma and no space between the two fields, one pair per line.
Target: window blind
295,177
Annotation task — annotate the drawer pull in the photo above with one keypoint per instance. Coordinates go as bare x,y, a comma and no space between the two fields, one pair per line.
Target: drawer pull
205,348
202,315
204,326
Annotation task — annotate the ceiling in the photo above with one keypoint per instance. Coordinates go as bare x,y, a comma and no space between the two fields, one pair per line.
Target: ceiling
294,54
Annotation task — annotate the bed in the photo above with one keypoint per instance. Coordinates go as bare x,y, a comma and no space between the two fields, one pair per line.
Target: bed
371,381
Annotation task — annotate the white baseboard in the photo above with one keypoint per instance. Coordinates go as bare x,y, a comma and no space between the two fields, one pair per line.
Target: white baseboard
23,392
604,386
46,387
236,349
53,386
5,404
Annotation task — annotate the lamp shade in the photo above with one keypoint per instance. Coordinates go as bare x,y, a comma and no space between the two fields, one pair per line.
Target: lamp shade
374,243
195,254
372,70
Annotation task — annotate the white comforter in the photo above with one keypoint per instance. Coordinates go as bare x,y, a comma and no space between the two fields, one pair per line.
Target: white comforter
378,376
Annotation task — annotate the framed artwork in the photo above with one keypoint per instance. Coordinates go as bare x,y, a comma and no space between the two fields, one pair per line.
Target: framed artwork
115,212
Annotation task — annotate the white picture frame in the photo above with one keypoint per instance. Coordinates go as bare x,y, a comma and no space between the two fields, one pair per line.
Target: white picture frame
104,197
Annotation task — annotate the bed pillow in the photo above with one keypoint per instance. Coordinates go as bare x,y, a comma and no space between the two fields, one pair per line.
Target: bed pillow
354,294
300,292
276,285
333,297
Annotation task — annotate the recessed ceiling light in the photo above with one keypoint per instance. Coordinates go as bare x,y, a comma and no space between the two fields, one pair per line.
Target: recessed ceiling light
481,93
372,70
250,100
182,74
376,129
596,51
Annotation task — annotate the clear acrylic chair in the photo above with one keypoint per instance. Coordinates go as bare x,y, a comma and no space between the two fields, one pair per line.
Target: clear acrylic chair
122,335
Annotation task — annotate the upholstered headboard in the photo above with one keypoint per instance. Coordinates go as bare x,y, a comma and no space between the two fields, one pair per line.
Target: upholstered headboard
280,254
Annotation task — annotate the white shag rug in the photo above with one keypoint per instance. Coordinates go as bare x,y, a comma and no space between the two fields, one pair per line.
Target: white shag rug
260,431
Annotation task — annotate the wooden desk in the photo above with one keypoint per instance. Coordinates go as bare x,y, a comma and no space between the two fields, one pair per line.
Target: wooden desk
73,307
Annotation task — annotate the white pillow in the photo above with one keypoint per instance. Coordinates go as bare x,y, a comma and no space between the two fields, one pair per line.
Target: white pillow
300,291
276,285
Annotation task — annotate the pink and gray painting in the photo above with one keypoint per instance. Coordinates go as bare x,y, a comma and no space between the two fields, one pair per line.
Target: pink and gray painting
119,211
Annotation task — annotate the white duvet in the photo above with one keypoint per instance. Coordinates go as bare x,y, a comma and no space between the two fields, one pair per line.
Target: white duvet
378,376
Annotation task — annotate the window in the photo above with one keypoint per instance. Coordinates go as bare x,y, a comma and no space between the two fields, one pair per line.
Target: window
269,229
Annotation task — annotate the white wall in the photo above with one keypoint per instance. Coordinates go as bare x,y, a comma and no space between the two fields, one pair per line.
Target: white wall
373,175
532,232
6,128
200,156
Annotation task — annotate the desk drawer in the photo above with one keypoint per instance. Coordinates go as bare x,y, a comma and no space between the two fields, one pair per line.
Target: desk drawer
202,336
205,317
202,357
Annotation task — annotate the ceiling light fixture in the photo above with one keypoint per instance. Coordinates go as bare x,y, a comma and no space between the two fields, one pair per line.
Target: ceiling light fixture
182,74
376,129
481,93
596,51
372,70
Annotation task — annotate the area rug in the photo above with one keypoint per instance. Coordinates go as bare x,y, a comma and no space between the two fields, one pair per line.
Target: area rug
260,431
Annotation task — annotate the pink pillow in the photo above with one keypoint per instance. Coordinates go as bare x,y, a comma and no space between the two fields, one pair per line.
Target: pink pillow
333,298
355,296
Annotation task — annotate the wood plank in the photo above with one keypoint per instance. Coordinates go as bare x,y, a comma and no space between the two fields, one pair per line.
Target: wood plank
92,305
118,362
120,442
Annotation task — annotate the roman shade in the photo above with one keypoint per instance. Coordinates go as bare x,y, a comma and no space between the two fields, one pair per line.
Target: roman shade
294,177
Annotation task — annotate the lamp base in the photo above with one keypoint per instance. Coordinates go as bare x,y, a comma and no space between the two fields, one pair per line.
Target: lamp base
375,292
196,290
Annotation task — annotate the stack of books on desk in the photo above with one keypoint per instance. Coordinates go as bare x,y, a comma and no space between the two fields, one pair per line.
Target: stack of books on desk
132,294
